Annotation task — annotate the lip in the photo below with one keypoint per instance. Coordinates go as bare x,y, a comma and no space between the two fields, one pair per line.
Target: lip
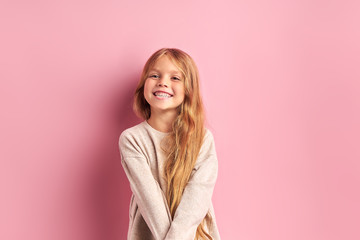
163,92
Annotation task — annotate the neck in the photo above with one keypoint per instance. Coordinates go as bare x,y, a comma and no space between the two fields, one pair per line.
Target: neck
162,121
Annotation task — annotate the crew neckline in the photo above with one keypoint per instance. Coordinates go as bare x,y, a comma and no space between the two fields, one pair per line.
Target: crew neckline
154,130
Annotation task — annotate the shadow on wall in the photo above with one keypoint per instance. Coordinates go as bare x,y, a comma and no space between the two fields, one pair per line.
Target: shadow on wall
110,191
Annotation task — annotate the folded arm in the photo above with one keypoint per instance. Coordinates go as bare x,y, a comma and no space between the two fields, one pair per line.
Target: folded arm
147,192
196,199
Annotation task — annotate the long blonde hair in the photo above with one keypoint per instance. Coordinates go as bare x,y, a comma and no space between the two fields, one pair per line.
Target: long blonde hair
184,142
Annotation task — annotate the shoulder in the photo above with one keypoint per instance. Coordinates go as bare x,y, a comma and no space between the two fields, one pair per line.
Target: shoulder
207,156
208,137
134,141
208,145
131,134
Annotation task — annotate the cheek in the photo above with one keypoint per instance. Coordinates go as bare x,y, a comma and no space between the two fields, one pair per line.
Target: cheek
181,90
147,87
147,91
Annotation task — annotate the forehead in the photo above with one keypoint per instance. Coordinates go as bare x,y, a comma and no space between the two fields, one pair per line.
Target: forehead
165,64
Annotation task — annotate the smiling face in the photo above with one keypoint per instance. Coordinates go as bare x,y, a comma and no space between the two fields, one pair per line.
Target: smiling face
164,86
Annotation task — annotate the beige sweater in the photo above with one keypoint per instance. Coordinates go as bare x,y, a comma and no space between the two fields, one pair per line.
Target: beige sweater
143,161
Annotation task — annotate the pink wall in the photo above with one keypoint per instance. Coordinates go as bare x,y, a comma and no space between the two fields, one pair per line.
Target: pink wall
280,82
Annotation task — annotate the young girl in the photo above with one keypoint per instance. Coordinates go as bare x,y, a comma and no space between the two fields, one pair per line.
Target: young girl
170,158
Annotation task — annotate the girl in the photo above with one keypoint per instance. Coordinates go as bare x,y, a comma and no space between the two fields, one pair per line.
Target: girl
170,158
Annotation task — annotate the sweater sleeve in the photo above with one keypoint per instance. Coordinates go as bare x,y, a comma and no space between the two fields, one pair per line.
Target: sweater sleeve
196,199
147,192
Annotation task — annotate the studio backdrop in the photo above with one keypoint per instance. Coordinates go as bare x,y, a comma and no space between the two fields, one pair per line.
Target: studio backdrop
280,84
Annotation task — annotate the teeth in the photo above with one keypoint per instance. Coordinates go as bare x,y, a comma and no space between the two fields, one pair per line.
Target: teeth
162,94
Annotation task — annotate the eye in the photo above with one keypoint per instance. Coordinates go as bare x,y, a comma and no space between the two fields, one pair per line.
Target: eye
176,78
154,76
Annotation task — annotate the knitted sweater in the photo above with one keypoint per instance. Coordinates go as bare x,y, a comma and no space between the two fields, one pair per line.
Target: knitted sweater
143,159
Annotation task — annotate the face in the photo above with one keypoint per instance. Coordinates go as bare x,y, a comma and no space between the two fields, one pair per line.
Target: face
164,86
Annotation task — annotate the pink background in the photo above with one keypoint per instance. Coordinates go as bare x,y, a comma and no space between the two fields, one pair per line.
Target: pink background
281,86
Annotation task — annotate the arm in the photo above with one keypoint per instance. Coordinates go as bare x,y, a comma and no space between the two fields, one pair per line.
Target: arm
147,192
196,199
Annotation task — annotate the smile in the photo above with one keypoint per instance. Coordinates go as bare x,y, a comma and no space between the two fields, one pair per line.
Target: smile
162,95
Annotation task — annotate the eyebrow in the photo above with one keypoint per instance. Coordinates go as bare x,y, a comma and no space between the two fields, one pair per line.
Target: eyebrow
157,70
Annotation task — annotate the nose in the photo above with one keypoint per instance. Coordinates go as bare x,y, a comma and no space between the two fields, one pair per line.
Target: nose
162,82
